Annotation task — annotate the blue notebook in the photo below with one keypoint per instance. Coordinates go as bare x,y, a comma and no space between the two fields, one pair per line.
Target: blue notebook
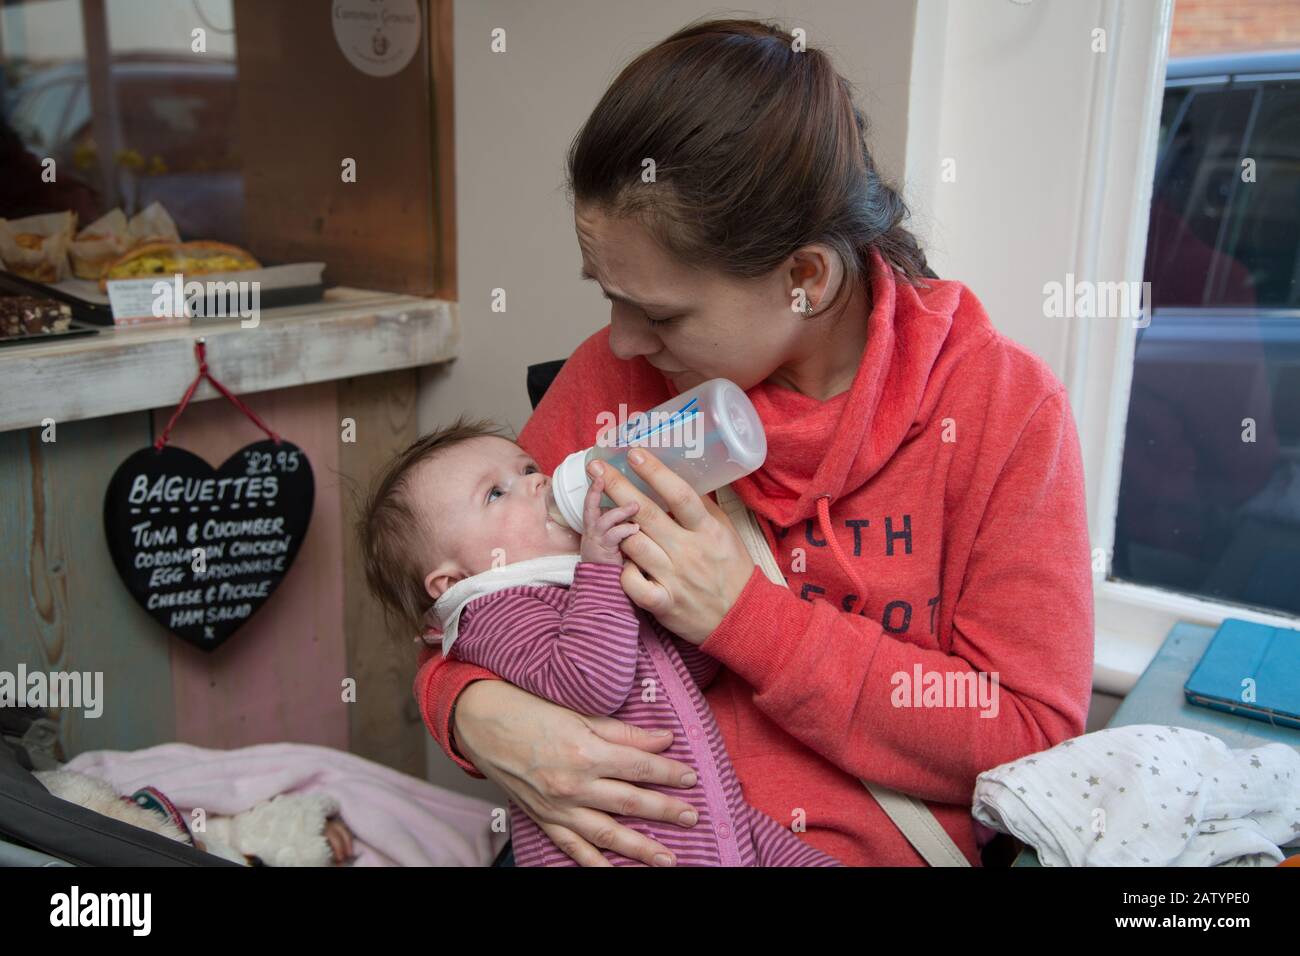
1251,670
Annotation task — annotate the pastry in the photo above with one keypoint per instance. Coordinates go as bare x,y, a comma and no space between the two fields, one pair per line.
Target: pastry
152,224
36,247
99,244
185,258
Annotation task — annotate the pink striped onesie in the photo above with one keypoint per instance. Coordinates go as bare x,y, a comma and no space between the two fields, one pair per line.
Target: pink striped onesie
589,648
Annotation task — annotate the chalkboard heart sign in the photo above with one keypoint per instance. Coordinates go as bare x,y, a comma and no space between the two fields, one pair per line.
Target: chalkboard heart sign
202,549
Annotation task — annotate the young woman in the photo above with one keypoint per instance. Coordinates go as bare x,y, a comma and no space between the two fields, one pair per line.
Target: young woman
923,490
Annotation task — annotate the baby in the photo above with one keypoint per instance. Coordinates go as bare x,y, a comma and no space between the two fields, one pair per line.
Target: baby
459,518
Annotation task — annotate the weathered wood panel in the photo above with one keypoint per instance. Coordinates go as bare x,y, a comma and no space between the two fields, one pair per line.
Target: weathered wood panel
280,676
62,605
385,723
308,109
442,67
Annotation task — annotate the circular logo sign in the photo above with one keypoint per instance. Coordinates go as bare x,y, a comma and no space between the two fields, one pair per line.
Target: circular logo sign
379,37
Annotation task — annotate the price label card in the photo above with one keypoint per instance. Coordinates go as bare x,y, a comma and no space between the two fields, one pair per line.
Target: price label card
133,302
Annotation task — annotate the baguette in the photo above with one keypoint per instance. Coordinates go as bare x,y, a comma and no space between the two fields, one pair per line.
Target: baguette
158,259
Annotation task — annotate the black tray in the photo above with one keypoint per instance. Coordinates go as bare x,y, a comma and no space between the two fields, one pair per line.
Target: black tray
95,313
75,330
89,312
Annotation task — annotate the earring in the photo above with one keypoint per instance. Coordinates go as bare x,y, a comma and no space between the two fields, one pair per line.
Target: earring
807,309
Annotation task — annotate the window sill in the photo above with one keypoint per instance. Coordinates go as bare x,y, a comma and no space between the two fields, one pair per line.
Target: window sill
350,332
1133,621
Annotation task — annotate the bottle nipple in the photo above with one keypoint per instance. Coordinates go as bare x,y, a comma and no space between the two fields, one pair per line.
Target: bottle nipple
553,508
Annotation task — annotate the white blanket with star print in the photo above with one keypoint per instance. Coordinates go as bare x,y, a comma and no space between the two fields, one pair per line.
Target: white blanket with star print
1147,795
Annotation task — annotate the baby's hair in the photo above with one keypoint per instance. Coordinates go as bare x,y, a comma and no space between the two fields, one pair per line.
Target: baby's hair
389,528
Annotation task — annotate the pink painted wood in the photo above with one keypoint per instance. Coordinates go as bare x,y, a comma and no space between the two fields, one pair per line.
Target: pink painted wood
279,677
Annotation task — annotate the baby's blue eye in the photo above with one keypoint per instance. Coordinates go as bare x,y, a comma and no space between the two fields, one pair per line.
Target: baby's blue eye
496,489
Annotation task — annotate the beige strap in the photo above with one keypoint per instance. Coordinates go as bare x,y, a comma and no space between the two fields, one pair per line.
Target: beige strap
750,533
909,814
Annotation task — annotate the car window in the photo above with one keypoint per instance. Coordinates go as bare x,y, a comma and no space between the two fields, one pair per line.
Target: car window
1209,496
189,122
1263,233
1190,199
39,114
1174,100
78,117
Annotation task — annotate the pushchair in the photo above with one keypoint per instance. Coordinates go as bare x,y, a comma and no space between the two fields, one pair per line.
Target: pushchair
39,829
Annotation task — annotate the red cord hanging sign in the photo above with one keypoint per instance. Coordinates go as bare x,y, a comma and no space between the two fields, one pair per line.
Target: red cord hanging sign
201,549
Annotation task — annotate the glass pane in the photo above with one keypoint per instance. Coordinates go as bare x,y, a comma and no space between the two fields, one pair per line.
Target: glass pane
39,116
171,127
225,125
43,66
1264,226
1209,499
177,112
1168,113
1190,200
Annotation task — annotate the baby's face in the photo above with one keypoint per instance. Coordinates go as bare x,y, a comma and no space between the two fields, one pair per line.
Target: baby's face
482,495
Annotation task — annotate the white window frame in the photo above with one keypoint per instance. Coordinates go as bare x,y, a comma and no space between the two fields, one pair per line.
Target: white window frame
1132,620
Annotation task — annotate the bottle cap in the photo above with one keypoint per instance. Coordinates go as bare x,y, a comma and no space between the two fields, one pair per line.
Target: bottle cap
569,488
740,427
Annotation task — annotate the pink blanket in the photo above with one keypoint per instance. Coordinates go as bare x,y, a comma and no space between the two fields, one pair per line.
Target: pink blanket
396,819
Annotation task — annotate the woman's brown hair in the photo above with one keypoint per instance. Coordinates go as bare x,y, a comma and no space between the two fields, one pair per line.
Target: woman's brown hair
758,149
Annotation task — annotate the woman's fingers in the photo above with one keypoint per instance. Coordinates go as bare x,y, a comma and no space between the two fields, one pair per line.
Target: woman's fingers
644,593
682,500
623,757
572,771
633,755
597,832
604,832
658,523
578,849
594,823
650,557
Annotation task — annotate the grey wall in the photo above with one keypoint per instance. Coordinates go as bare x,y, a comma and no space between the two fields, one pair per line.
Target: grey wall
517,112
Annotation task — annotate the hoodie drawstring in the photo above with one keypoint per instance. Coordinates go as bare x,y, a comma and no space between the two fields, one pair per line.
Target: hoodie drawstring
824,522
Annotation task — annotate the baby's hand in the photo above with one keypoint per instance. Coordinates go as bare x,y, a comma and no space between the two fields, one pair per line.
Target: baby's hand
603,532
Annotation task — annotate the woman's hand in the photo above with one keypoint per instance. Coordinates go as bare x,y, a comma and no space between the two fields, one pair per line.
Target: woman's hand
569,771
687,572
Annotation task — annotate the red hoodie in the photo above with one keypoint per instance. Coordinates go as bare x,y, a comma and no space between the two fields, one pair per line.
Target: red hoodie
947,485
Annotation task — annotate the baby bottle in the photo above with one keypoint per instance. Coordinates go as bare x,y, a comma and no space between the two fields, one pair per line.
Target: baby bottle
709,435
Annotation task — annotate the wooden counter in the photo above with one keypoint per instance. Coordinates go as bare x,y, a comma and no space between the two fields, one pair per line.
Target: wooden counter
352,332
